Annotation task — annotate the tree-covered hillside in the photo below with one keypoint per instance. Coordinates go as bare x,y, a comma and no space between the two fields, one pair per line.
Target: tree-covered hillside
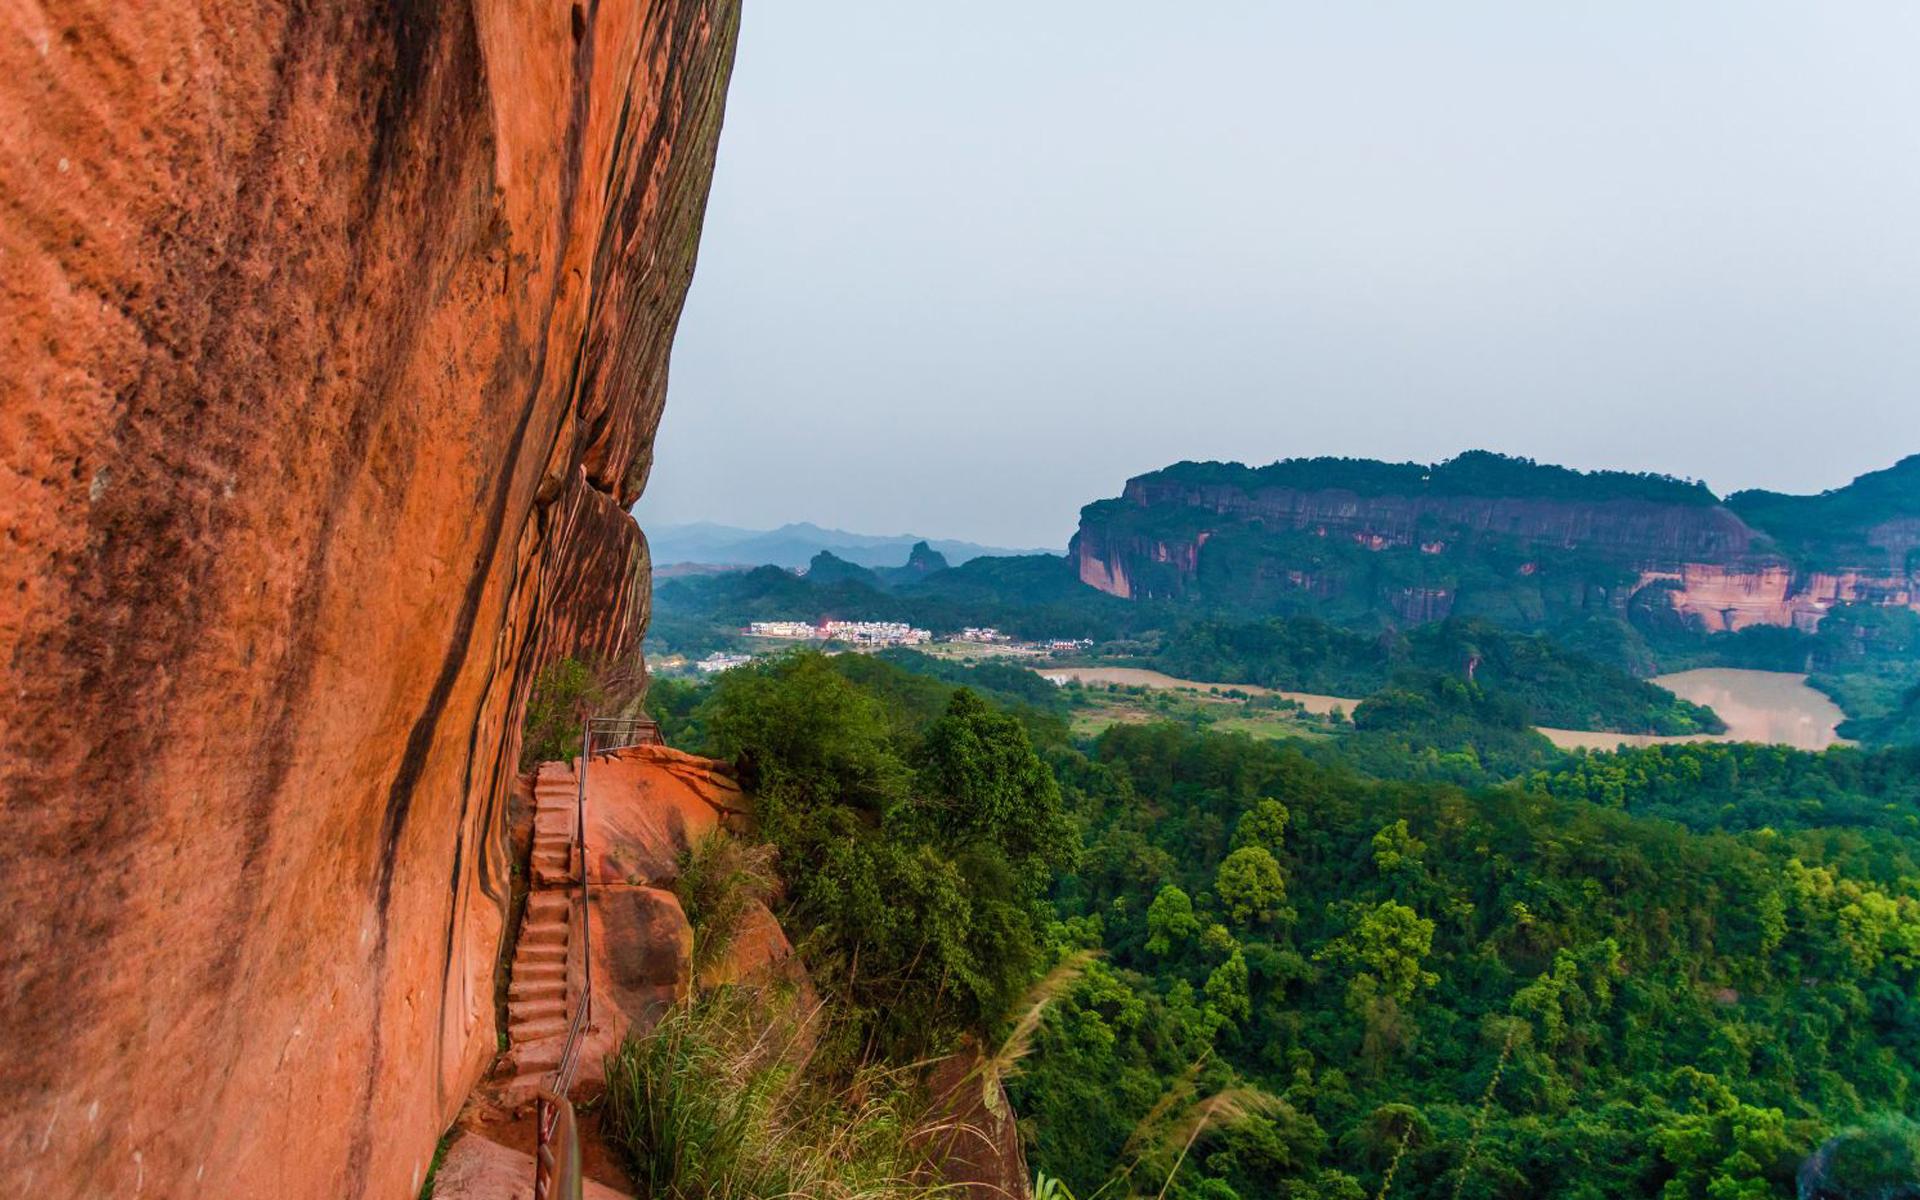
1844,526
1493,993
1031,595
1327,973
1528,546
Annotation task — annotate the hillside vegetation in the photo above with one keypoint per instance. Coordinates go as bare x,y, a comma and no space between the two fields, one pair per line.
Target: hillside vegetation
1474,473
1836,527
1325,971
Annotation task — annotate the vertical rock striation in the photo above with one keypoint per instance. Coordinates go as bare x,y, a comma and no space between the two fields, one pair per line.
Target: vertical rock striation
332,341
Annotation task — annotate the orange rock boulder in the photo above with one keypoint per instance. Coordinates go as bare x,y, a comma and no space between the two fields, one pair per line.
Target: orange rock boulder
648,805
642,962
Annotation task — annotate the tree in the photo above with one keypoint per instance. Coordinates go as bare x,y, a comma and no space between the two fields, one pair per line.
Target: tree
1388,944
1228,988
981,782
1251,886
1264,825
1720,1147
564,694
1880,1159
1170,921
914,886
1395,849
806,738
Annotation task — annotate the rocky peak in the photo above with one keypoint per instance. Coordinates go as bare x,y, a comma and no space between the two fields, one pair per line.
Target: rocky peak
925,560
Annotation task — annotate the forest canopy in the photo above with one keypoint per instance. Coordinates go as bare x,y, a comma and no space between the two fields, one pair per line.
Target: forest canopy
1683,972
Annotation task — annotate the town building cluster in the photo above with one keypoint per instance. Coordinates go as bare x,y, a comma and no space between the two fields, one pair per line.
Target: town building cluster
860,633
987,635
873,635
876,633
782,629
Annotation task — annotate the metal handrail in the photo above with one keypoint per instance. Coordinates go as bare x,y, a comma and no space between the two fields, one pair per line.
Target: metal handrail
604,735
558,1169
598,735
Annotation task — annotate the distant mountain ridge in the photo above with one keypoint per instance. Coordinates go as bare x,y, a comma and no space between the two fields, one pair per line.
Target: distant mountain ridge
1522,543
794,545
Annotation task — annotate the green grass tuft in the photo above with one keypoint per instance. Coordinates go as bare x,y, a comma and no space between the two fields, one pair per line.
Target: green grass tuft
716,1104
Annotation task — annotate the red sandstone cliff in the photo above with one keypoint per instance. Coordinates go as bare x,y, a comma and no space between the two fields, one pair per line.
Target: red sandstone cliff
333,337
1702,559
1637,528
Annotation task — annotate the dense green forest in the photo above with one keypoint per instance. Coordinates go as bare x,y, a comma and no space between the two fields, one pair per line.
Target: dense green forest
1897,724
1328,971
1504,992
1747,787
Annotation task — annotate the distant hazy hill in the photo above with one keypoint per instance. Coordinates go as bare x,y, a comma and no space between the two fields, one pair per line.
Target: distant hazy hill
794,546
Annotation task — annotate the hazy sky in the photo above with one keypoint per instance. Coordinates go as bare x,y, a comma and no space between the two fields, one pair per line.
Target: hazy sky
968,266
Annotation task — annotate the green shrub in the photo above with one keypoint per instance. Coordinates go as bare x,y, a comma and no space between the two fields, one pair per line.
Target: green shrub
1880,1161
917,831
563,694
721,879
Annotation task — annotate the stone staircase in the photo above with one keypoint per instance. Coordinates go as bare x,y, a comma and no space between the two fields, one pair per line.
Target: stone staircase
555,821
648,804
544,986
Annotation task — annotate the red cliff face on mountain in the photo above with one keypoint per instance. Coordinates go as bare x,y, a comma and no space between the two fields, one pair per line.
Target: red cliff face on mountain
1415,541
1639,528
333,338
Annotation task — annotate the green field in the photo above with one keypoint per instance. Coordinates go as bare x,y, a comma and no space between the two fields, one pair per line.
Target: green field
1096,707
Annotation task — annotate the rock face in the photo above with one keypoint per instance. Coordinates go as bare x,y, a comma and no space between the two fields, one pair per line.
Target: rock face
977,1138
647,805
1627,525
1505,538
333,337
